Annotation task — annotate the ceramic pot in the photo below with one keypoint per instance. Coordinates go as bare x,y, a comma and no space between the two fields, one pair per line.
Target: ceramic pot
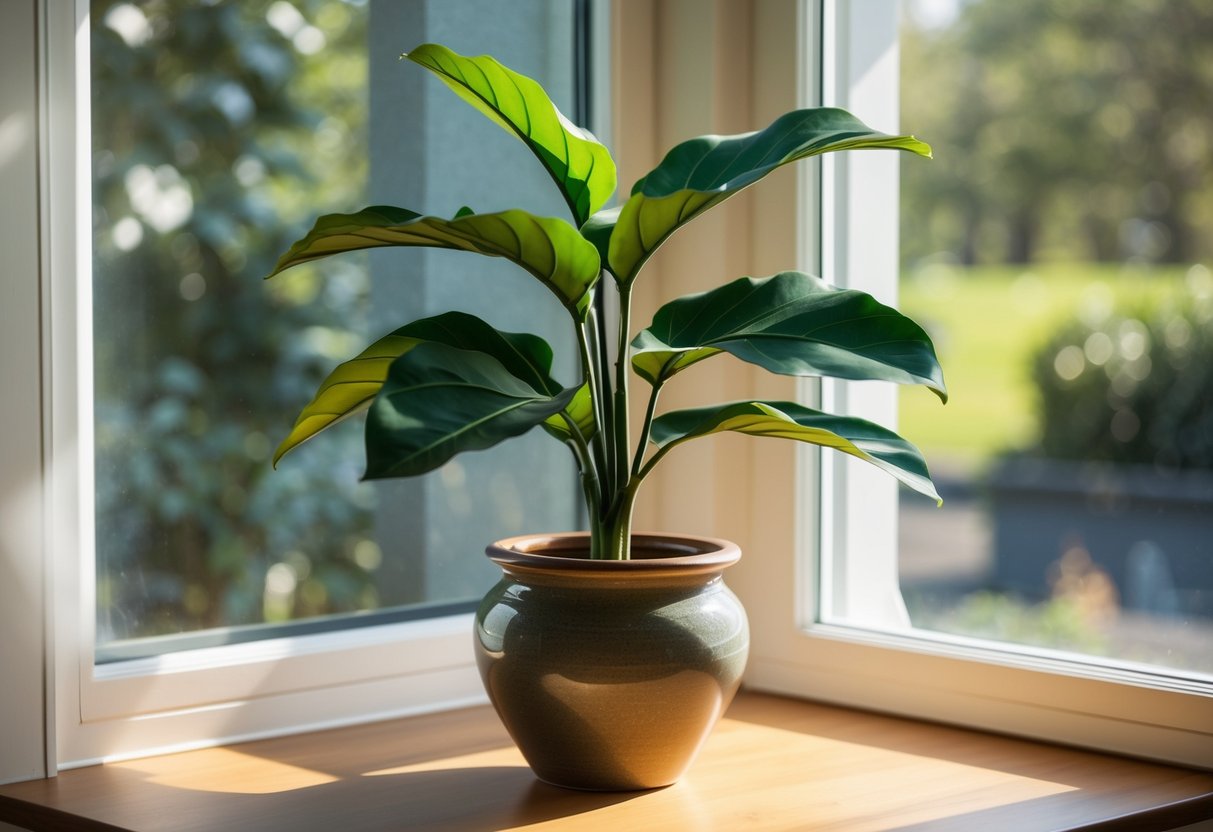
609,675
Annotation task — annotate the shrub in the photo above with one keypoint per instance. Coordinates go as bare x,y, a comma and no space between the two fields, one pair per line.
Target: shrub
1136,387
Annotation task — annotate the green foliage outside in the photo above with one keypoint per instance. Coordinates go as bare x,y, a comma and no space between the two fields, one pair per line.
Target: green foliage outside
211,127
988,323
1133,388
1073,178
1065,130
1057,252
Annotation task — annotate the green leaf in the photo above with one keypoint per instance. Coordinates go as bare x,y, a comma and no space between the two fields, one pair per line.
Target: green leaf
703,172
598,229
352,386
579,164
581,410
439,401
550,249
793,324
787,420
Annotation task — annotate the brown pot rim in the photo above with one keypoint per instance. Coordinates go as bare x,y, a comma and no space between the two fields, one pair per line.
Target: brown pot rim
568,553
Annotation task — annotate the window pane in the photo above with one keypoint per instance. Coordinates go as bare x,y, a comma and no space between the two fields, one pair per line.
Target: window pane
1054,250
220,131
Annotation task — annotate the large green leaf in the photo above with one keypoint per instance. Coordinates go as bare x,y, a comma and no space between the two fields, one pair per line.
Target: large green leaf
787,420
790,323
703,172
549,248
579,164
598,229
350,387
581,410
438,401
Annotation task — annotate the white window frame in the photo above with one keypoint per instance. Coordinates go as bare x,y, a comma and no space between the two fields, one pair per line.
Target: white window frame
847,570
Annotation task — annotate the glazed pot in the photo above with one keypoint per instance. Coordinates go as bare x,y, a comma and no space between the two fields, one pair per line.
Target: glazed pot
609,675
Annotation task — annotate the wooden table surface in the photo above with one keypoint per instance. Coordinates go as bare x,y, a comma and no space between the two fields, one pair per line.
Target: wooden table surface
771,764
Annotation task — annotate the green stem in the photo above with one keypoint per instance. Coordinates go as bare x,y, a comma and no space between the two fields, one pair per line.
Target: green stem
644,431
621,522
590,484
621,427
657,457
590,372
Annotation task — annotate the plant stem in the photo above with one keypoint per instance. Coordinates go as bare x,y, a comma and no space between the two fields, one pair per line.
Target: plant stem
621,522
603,365
622,441
592,377
657,457
644,431
590,486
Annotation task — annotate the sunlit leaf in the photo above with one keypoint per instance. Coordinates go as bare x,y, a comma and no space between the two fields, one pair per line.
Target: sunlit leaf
579,164
793,324
550,249
787,420
581,410
352,386
705,171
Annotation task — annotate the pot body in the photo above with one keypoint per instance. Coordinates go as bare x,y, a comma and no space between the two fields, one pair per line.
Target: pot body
609,675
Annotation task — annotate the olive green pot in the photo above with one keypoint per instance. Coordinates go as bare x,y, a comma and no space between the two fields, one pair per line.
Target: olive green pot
609,675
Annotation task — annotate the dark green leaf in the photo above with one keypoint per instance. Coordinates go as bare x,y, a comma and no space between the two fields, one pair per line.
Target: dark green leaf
439,401
703,172
579,164
350,387
792,324
550,249
788,420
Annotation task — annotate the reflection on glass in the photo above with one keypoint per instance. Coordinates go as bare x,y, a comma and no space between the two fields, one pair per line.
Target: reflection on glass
220,130
1053,251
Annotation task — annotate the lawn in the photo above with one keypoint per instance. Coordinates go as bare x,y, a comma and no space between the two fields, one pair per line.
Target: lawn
987,322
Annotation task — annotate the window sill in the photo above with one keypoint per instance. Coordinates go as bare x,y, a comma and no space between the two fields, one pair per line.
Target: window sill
772,763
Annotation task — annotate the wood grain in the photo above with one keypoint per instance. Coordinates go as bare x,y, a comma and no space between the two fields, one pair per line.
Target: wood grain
772,764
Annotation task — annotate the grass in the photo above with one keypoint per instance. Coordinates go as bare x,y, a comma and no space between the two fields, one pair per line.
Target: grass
987,322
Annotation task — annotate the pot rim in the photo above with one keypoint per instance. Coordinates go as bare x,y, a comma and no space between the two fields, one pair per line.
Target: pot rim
567,552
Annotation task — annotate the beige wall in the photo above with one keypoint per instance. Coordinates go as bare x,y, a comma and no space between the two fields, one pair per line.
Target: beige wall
735,487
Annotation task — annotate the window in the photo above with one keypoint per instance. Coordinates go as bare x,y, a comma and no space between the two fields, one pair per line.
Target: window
856,642
804,524
1073,304
216,132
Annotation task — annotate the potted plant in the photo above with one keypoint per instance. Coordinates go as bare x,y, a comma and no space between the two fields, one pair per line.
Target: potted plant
610,655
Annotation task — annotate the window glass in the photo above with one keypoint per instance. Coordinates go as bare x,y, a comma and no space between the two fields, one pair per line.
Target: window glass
220,131
1055,251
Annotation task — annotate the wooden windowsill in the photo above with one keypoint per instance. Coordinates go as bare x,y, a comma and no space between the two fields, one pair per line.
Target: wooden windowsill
772,763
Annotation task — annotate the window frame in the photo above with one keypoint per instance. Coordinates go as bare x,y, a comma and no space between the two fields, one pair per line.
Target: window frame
847,568
28,732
